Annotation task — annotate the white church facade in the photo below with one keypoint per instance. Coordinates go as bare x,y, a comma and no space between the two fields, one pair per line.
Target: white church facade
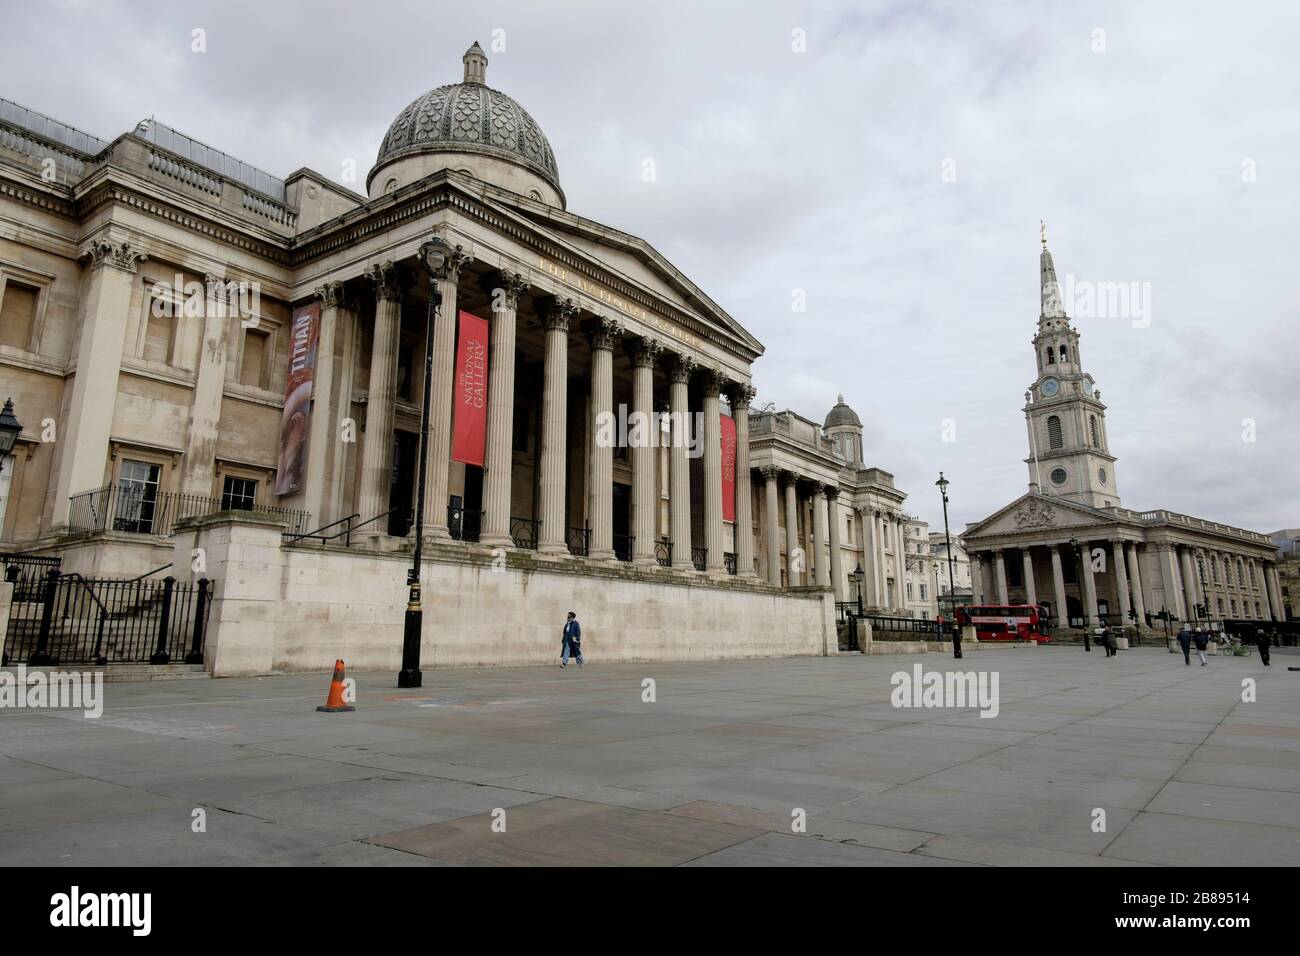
1070,546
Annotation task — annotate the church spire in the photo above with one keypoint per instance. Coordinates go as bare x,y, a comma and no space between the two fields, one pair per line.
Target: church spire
475,61
1050,288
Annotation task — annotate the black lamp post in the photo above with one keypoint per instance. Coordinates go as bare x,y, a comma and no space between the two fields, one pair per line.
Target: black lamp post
9,428
1083,592
859,576
434,255
947,540
1205,595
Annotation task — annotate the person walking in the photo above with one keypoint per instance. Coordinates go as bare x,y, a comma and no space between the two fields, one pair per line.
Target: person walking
1185,642
1262,642
571,641
1103,639
1202,641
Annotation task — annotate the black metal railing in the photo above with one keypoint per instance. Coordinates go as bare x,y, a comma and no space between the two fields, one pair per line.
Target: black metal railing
623,546
843,609
132,510
729,561
26,572
700,558
664,553
465,525
346,528
909,625
524,532
578,541
82,620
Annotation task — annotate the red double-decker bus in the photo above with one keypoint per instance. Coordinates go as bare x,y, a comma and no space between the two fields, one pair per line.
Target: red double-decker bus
1004,622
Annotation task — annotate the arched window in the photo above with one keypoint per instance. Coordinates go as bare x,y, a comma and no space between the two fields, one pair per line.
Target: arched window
1065,354
1051,356
1096,432
1054,439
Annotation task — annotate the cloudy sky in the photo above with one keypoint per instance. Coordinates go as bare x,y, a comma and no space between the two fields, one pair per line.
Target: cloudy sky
890,160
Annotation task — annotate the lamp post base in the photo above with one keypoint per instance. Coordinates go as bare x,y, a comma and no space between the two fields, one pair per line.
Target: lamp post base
410,675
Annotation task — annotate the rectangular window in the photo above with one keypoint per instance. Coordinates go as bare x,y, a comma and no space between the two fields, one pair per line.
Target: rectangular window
252,368
17,314
909,590
158,336
137,497
238,494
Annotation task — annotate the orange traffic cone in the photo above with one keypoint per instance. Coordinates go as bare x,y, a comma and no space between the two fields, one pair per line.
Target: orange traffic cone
334,702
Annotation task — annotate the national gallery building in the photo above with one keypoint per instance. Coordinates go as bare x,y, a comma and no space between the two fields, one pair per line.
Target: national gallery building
1070,546
221,373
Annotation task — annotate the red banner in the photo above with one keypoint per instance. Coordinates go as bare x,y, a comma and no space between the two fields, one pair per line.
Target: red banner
295,421
728,432
469,434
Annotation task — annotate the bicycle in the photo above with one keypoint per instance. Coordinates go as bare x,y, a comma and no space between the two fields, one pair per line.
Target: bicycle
1232,647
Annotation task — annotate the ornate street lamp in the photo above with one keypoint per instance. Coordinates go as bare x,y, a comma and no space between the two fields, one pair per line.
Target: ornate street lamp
434,255
947,540
859,576
9,428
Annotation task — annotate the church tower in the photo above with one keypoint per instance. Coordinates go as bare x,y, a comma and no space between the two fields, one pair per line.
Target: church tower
1069,455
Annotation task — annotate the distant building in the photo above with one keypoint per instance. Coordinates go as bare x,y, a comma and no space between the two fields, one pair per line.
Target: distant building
960,592
1067,544
1288,570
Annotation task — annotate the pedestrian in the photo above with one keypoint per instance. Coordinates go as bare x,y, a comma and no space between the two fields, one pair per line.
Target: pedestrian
1202,641
571,641
1185,642
956,637
1262,642
1103,640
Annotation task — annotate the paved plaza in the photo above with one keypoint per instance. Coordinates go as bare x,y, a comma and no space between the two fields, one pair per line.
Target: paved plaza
578,767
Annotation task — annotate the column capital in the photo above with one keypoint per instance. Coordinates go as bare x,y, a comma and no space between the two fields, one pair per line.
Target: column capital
713,380
741,395
120,255
645,351
831,492
789,477
503,288
681,368
388,283
331,295
770,472
558,314
603,332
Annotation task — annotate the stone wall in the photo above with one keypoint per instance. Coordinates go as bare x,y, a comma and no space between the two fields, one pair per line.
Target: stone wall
281,609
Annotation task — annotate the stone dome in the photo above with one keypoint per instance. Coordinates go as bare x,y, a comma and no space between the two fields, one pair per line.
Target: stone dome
469,118
841,415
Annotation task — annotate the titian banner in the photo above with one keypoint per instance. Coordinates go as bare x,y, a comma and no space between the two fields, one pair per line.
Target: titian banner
295,423
469,436
728,432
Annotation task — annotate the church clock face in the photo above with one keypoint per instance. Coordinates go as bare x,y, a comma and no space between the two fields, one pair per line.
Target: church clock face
1050,387
1087,387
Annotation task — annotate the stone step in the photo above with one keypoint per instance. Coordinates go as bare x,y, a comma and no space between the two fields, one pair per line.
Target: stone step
124,672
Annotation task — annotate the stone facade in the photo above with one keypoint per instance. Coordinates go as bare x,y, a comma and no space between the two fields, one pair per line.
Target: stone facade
148,292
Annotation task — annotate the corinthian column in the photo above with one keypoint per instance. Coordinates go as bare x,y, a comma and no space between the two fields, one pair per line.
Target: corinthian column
833,524
602,333
715,562
555,399
498,463
679,501
1121,580
644,356
381,399
440,393
770,528
741,396
821,567
793,563
1139,602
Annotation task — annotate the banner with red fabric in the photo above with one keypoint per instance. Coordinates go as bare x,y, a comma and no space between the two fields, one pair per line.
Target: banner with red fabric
728,431
469,433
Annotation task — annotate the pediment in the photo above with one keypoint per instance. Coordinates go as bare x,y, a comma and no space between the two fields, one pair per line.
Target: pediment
634,262
1033,513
